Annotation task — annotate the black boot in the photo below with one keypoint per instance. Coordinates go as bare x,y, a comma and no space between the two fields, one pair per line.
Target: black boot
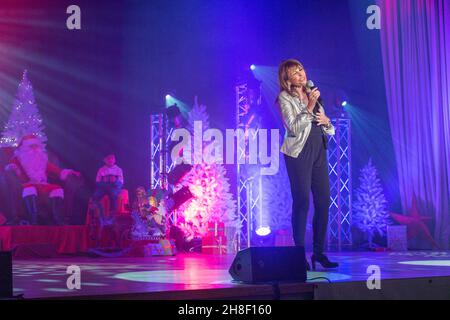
323,260
57,204
31,206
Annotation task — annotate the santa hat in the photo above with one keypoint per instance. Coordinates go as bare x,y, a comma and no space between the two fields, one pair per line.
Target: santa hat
28,140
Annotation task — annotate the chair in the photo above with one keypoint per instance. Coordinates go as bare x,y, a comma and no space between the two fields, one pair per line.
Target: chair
11,203
118,232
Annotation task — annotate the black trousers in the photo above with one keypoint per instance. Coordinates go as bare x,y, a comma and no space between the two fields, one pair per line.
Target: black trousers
309,173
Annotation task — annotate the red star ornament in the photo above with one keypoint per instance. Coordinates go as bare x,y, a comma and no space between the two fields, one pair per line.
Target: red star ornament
415,223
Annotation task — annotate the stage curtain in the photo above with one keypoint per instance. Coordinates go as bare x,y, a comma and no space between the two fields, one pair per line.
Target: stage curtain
415,44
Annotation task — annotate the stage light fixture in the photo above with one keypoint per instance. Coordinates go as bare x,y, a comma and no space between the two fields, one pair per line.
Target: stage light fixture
173,111
252,67
263,231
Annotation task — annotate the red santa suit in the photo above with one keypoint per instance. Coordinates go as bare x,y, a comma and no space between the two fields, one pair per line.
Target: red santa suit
33,186
32,167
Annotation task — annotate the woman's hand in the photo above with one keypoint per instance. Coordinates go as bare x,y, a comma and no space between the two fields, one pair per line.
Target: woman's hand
322,119
313,97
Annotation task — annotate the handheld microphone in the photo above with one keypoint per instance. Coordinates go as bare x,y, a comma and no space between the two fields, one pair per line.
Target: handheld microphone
310,85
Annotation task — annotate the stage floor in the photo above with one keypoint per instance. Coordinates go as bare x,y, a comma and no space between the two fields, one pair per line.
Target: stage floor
204,276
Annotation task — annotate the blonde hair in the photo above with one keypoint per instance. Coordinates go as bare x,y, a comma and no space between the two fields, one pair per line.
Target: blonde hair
283,73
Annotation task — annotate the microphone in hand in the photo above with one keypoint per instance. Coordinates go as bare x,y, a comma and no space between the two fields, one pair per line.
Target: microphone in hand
310,88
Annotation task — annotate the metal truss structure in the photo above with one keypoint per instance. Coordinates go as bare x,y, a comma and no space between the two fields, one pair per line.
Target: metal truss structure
249,181
339,167
160,160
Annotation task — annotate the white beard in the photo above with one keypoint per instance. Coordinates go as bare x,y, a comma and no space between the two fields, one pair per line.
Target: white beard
34,163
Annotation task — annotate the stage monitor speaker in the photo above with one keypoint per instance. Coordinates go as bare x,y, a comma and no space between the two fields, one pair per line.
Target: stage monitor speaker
6,275
269,264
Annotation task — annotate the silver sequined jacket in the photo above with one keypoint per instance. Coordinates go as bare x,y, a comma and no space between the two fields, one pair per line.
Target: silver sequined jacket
297,122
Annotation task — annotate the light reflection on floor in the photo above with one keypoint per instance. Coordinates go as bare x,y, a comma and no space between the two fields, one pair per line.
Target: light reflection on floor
48,277
184,276
207,276
436,263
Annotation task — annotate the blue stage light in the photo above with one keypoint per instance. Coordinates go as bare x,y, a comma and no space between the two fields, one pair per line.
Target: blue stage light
168,96
252,67
344,103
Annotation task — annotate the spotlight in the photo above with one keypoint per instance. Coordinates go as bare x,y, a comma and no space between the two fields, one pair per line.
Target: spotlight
178,173
173,111
340,98
168,96
252,67
178,198
263,231
263,237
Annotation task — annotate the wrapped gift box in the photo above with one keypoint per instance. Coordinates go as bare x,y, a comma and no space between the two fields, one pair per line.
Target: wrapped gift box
138,247
168,247
216,229
214,245
163,248
153,249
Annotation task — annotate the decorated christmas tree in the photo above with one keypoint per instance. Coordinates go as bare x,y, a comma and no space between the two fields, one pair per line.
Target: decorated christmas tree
212,201
370,212
25,118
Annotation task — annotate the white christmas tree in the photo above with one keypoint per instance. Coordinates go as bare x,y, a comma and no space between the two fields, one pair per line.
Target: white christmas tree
212,201
370,212
25,118
277,199
198,113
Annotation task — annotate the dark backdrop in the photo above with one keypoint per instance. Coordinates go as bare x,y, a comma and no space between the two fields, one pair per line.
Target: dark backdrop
96,87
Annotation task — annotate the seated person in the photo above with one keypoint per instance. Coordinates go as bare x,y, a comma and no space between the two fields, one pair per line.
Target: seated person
109,181
33,168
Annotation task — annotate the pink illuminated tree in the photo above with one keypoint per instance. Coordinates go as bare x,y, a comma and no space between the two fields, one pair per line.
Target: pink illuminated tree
212,201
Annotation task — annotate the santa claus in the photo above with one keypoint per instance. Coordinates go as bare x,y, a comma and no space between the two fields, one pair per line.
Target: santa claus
31,165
